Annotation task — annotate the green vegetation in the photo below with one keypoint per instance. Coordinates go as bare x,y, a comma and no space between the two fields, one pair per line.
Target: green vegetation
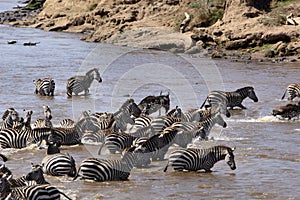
205,13
34,5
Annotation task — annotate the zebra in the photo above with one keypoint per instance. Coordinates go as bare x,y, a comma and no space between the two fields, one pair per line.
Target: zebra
36,174
16,138
11,118
44,87
156,146
117,142
288,111
67,123
217,99
44,123
207,124
78,84
34,192
236,98
151,104
90,137
59,164
122,118
293,90
92,123
107,170
233,98
160,123
65,136
175,112
26,123
193,159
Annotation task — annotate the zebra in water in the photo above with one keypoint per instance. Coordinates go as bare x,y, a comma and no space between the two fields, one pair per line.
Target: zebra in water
46,122
44,87
156,146
151,104
33,192
193,159
117,142
233,98
16,138
59,164
78,84
293,91
26,123
122,118
67,123
217,99
65,136
108,170
10,119
90,137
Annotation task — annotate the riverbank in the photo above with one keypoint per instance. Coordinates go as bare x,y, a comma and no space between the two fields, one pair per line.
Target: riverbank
243,31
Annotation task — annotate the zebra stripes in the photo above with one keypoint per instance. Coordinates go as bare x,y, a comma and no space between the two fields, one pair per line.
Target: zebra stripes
46,122
44,87
16,138
10,118
34,192
236,98
193,159
217,99
107,170
59,164
78,84
293,91
4,158
231,99
65,136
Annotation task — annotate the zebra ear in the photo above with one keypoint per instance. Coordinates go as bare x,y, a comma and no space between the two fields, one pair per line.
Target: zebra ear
233,148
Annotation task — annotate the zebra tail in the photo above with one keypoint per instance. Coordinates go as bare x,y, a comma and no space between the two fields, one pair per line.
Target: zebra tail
166,167
203,103
283,94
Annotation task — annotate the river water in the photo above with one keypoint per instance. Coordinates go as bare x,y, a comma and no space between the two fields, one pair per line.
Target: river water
267,149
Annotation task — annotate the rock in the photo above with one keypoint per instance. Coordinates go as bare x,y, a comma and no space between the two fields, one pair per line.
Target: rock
157,38
275,37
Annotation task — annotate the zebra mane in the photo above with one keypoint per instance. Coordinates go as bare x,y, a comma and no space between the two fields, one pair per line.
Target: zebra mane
90,71
244,88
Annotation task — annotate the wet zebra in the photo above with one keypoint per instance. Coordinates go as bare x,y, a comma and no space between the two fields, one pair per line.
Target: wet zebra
160,123
59,164
24,124
236,98
122,118
16,138
65,136
193,159
44,87
10,118
217,99
46,122
207,124
4,158
67,123
151,104
78,84
293,91
36,174
156,146
117,142
33,192
108,170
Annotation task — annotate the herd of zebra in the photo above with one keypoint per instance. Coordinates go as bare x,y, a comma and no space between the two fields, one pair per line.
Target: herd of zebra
131,131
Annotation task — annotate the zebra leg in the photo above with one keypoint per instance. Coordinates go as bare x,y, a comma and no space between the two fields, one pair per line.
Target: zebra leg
166,167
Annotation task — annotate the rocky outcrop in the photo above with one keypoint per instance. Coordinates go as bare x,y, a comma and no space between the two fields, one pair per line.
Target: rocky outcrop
246,25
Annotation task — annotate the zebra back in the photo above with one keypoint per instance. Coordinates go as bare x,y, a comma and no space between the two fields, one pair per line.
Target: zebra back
65,136
293,90
160,123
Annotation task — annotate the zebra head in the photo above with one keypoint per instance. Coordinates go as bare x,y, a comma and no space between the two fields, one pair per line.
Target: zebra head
251,94
229,158
176,112
164,100
95,74
36,174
